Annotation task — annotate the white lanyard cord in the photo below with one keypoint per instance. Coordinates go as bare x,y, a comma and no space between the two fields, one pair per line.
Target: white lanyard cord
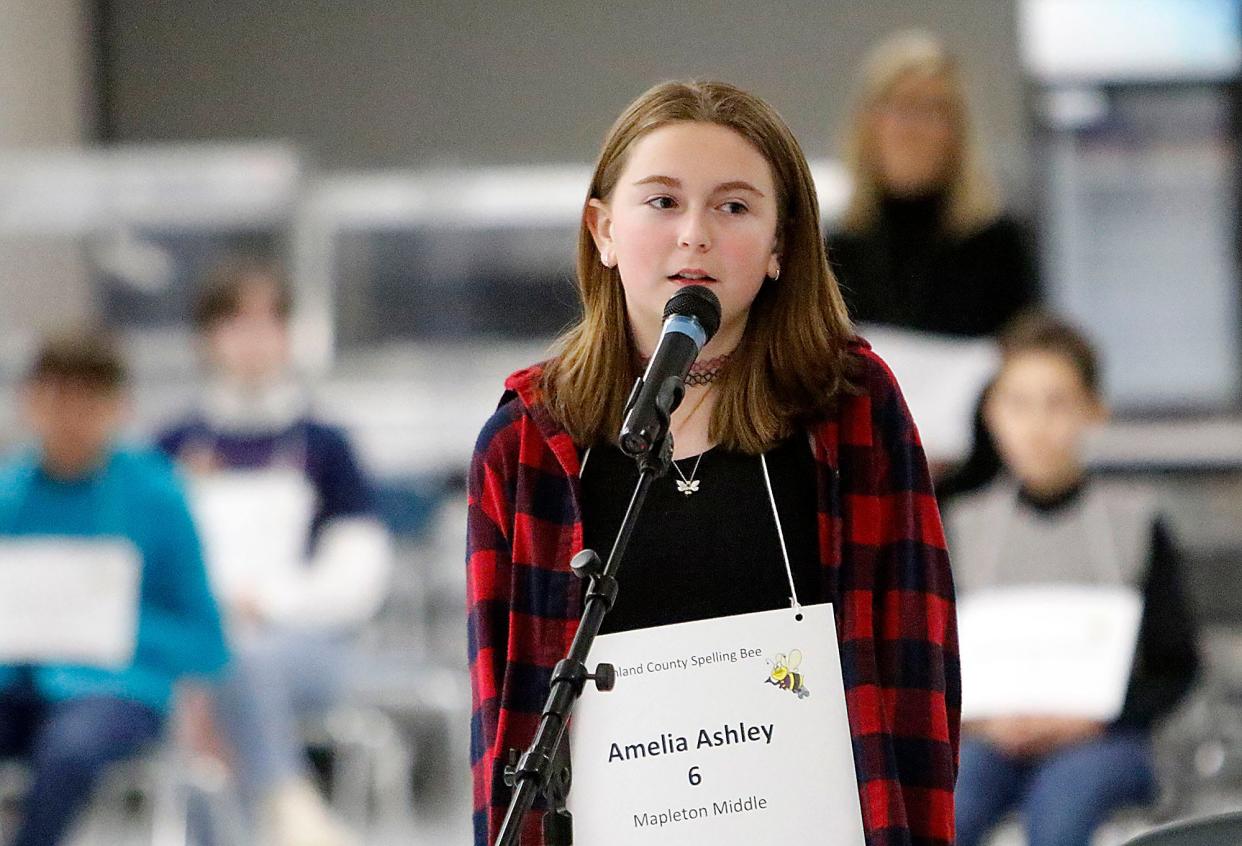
780,534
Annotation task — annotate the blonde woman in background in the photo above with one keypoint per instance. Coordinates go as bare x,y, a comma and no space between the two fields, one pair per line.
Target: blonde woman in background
922,244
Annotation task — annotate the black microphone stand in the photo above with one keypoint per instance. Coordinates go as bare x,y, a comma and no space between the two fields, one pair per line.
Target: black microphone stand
545,766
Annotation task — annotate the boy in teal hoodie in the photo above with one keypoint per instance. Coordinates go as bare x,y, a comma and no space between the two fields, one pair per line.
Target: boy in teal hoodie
70,718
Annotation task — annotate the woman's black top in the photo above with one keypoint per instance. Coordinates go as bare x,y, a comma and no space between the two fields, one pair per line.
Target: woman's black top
906,271
715,552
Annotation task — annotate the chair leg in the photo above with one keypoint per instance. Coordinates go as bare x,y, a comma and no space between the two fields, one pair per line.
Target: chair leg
169,808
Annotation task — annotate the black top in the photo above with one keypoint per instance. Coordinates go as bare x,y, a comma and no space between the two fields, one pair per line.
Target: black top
715,552
1166,660
907,272
1051,503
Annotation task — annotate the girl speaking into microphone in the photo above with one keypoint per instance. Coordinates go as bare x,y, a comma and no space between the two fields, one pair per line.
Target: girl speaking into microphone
797,470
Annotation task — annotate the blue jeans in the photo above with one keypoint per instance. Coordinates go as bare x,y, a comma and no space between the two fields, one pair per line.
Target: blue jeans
68,745
276,677
1063,797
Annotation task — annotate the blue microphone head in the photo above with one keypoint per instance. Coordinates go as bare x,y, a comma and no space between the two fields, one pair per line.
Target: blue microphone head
699,302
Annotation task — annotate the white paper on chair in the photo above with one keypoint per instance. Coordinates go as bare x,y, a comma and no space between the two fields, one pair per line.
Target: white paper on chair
941,378
1063,650
69,601
254,527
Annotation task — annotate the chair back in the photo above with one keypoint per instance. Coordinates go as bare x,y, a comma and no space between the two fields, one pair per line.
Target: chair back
1222,830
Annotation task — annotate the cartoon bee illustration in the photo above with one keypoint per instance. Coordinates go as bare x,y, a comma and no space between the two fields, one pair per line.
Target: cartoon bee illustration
784,673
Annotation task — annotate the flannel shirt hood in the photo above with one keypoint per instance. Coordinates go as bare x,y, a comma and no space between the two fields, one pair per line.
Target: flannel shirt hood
885,569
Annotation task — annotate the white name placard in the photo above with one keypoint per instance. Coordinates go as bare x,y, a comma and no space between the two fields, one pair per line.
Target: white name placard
726,731
254,527
68,601
941,378
1057,650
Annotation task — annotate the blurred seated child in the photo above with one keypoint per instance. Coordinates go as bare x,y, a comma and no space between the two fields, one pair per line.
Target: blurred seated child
81,499
294,547
1043,520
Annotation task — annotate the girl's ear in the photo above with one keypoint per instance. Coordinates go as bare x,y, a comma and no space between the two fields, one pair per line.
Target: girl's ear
599,220
774,260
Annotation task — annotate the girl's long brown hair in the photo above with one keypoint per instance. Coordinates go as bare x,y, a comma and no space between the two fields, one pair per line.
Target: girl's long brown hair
792,362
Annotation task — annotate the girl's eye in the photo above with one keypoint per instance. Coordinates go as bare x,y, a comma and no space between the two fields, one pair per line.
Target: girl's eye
661,202
735,207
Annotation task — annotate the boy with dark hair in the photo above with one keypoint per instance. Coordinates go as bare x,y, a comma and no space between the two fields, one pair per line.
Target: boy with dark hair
1045,522
107,510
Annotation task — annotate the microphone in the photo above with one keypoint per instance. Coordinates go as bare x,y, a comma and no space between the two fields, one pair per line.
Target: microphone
691,318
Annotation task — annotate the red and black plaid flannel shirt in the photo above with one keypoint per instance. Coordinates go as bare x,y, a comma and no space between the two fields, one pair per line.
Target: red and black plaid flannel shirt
886,571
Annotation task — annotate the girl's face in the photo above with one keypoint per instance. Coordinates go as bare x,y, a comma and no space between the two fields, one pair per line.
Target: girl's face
695,204
1038,411
251,347
914,134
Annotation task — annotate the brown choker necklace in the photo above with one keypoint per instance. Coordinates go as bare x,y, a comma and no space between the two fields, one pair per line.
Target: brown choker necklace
701,372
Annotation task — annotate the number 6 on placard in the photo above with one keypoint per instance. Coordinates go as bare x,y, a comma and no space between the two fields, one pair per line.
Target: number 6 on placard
695,778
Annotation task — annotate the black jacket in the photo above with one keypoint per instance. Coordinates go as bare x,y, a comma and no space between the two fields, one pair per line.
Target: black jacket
907,272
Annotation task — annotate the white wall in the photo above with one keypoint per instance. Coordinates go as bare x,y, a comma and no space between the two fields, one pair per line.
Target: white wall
46,101
45,96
